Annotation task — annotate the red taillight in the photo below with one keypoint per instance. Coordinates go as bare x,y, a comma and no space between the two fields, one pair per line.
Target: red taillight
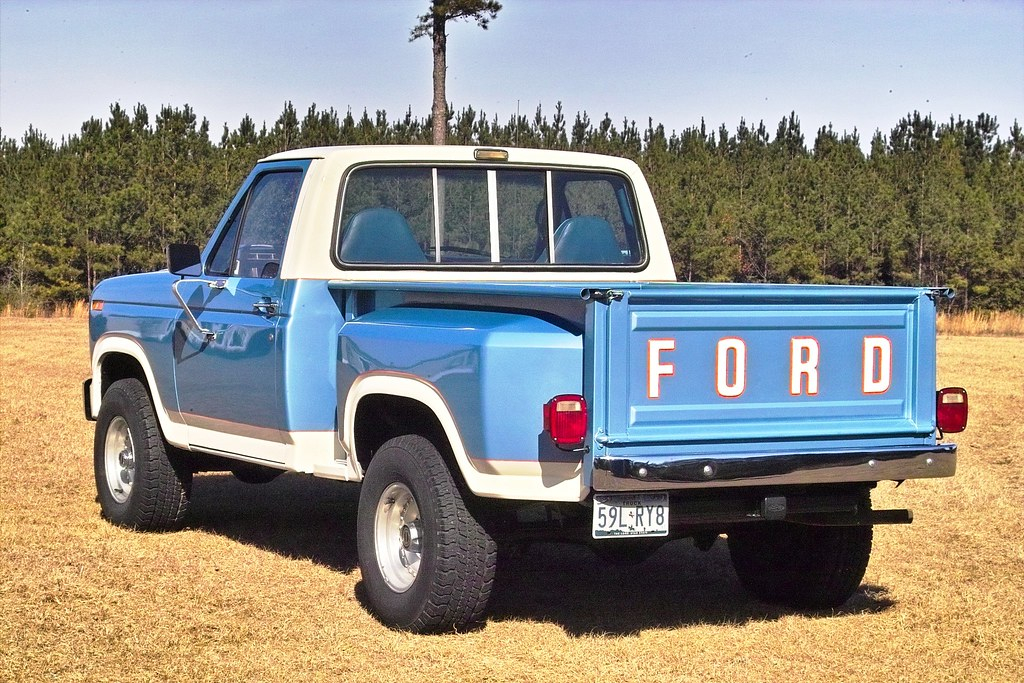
951,409
565,419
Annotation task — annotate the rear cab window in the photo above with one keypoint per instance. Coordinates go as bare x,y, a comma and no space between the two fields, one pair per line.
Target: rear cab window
507,217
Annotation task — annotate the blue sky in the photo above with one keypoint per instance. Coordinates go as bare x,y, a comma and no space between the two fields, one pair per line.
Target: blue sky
855,64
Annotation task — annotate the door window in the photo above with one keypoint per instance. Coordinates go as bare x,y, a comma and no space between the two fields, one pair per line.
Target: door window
253,239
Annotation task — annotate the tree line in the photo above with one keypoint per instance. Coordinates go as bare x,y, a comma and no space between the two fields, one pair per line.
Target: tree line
930,203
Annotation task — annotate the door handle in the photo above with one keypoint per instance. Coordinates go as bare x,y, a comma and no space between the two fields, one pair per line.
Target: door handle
265,306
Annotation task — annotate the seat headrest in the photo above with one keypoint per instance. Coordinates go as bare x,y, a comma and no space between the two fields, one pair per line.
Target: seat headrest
379,235
586,240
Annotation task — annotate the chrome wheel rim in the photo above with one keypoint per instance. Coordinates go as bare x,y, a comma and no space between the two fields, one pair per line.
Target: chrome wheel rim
398,537
119,459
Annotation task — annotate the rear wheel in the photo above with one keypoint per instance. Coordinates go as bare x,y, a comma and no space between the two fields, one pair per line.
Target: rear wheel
807,567
141,482
427,563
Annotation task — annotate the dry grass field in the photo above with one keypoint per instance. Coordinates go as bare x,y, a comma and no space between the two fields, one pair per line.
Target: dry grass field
263,585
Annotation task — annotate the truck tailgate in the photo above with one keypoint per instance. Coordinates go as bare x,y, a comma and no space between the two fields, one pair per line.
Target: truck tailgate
708,384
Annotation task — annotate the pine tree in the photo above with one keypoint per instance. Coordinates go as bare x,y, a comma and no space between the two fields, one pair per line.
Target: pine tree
433,24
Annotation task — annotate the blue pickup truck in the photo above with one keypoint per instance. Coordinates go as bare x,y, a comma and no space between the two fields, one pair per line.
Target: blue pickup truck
492,342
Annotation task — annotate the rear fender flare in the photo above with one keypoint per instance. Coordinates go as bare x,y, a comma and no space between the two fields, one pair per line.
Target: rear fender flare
526,482
411,387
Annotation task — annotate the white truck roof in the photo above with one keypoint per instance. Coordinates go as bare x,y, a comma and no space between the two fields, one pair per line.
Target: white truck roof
310,243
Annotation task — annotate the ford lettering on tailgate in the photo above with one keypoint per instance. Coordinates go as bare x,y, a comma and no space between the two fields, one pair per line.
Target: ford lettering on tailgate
779,371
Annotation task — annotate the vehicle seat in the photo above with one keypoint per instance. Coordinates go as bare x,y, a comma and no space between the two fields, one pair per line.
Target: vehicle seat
253,260
586,240
379,235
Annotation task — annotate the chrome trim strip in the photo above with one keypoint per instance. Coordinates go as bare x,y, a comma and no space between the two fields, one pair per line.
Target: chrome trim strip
235,428
660,473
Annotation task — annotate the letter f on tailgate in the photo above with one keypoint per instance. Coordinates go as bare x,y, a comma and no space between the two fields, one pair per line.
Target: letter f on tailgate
655,368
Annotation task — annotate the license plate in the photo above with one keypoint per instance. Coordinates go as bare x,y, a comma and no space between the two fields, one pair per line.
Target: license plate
630,514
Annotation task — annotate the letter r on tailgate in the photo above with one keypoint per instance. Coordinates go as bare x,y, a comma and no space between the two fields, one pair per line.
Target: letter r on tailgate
803,362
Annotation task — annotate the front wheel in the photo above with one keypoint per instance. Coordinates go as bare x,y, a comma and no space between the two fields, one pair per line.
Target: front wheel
806,567
141,482
427,563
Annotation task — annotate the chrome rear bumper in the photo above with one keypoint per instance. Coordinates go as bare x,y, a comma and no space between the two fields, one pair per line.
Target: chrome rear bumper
617,473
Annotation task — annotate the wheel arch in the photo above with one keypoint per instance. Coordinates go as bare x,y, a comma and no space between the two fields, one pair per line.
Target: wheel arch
118,357
118,365
383,405
380,417
410,404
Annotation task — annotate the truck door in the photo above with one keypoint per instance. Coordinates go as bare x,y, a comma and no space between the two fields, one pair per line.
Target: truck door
227,372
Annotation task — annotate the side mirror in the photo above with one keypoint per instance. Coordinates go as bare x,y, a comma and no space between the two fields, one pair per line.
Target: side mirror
183,259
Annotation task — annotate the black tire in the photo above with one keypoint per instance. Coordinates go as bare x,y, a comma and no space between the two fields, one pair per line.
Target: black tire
255,474
440,569
805,567
141,482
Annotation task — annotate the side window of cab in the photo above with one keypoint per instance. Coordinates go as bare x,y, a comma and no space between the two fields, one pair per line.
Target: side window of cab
252,241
